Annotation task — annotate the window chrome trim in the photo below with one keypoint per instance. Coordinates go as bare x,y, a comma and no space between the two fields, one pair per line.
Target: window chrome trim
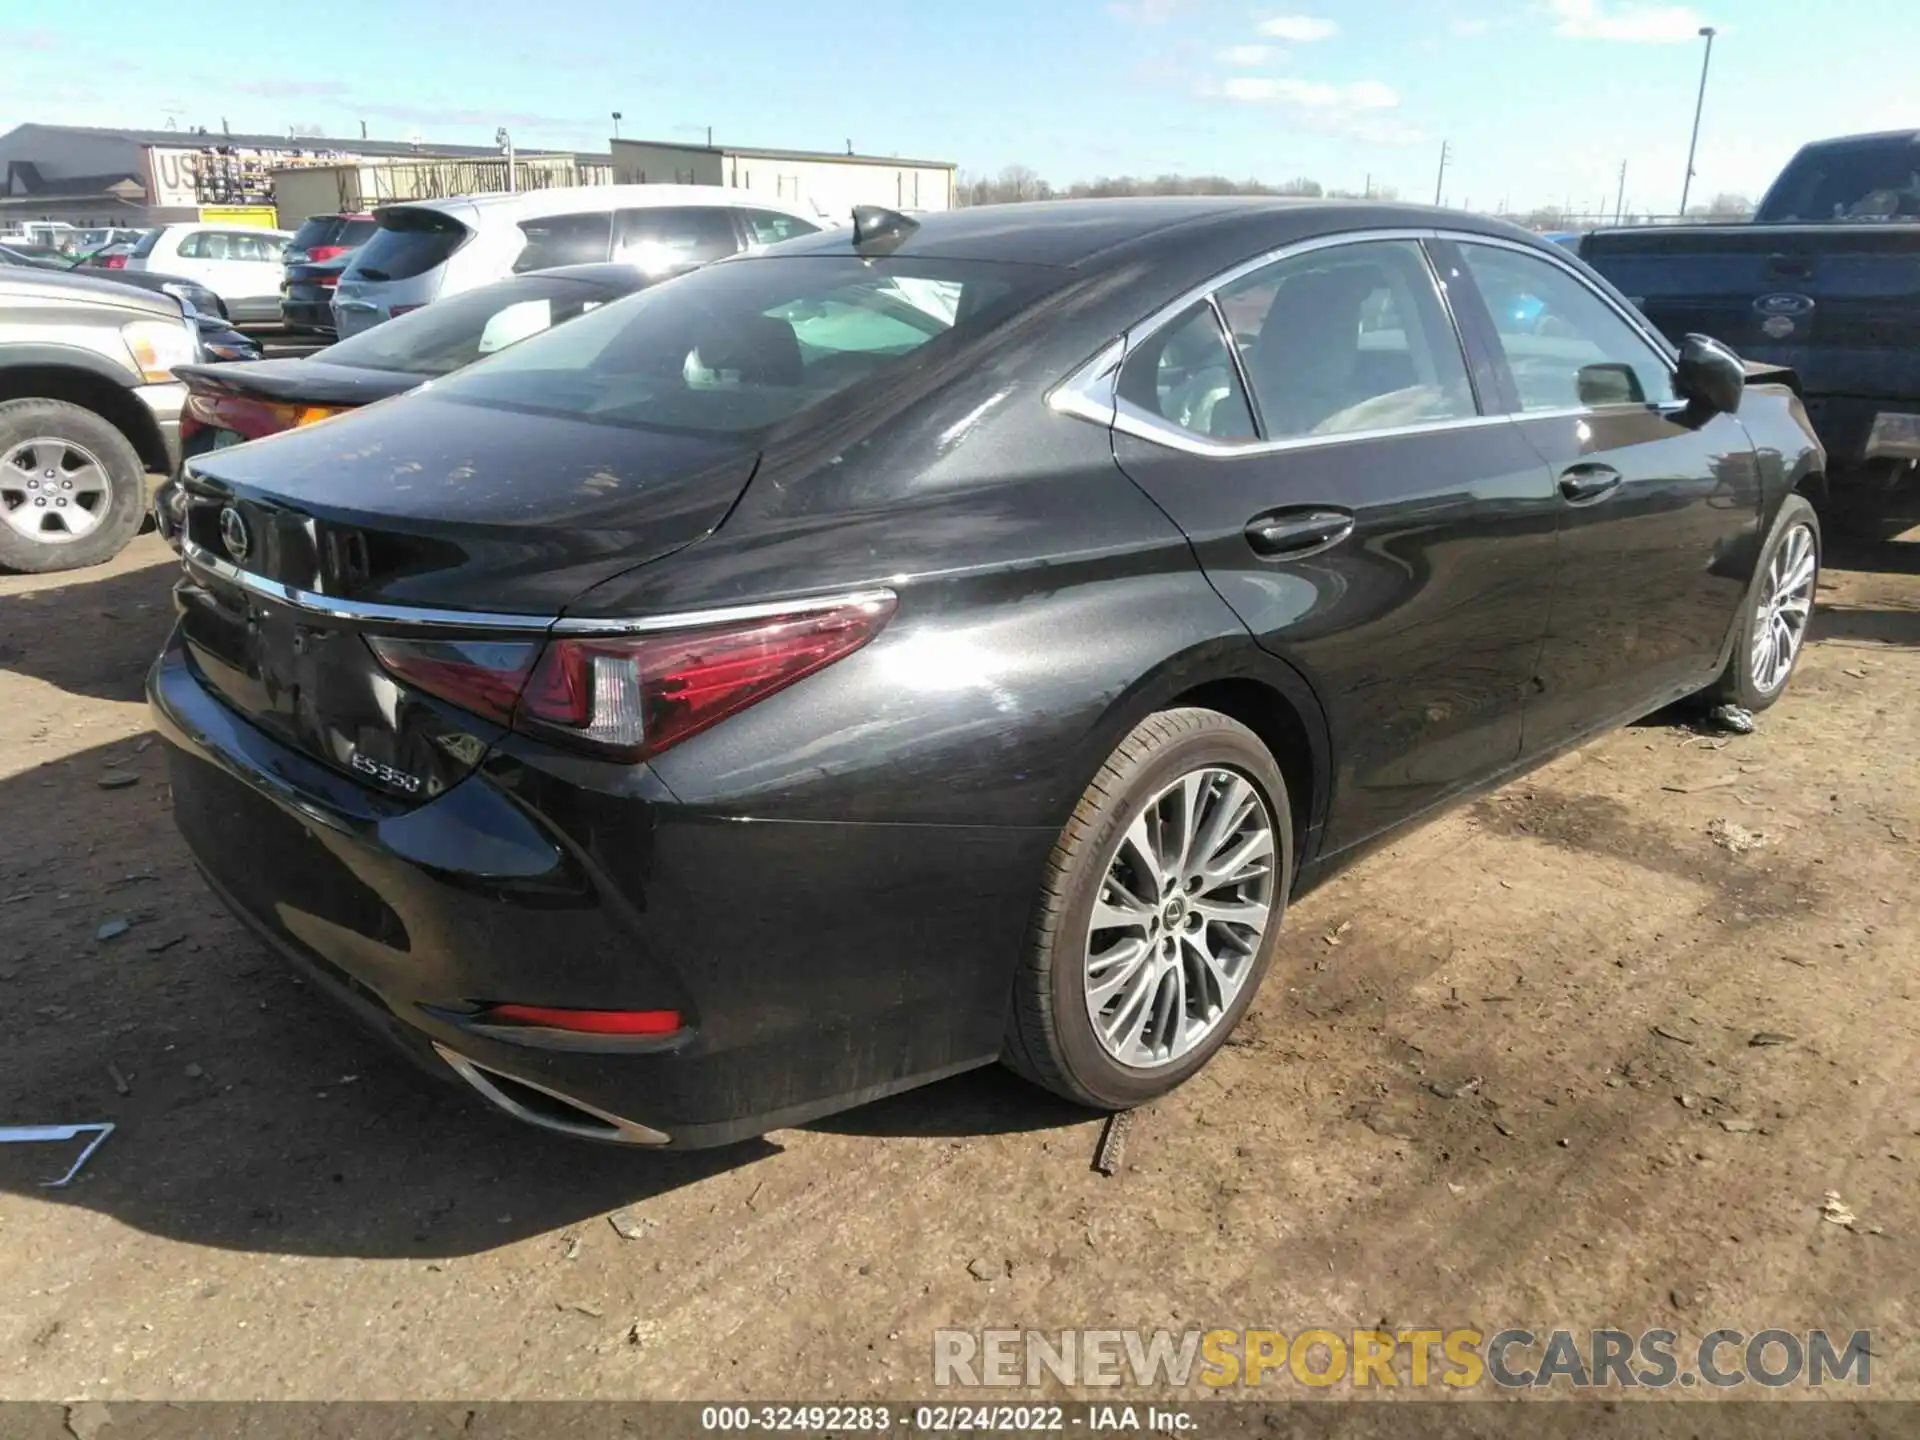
1091,392
333,607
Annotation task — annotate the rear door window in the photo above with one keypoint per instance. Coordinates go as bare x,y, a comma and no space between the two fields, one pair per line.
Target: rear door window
668,238
1348,339
407,243
581,239
144,246
192,247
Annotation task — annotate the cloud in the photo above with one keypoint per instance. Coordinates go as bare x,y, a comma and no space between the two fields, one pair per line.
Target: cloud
1148,12
1634,23
1299,29
276,88
1247,55
1310,94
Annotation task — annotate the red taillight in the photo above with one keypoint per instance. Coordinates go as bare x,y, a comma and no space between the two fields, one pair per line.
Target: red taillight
326,252
483,676
635,696
246,417
326,282
113,262
584,1022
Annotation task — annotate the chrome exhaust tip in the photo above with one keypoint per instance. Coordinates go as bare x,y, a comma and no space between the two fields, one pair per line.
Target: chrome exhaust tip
549,1109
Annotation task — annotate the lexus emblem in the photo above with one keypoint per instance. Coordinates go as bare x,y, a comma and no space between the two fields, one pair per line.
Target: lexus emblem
233,533
1785,305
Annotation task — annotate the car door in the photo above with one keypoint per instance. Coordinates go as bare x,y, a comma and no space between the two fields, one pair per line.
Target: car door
1659,504
1327,456
185,253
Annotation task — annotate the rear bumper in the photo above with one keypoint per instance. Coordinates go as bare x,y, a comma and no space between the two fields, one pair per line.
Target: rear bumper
1860,430
308,314
817,965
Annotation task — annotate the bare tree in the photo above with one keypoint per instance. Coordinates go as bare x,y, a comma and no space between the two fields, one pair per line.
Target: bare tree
1020,182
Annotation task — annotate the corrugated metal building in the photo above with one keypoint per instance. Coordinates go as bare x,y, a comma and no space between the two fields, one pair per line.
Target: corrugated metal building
831,183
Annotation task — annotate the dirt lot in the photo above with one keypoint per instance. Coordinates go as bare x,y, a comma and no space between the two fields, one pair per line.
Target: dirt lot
285,1211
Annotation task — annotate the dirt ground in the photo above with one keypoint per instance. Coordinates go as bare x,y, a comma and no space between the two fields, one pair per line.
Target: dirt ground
286,1211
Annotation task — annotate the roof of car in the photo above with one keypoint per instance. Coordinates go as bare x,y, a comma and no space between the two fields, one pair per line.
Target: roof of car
612,273
559,198
1072,232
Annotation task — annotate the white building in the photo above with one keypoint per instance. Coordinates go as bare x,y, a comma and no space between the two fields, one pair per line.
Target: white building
832,184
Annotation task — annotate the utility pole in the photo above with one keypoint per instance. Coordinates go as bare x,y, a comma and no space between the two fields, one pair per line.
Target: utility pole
616,124
1707,32
1369,191
1440,181
503,139
1620,200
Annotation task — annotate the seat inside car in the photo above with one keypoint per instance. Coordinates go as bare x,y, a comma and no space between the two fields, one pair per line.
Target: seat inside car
758,349
1305,361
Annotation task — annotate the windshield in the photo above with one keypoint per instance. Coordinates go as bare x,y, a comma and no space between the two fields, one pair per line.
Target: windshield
1878,181
446,336
747,344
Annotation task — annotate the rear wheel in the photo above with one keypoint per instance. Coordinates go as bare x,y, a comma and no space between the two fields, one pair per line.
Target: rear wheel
1773,625
72,488
1160,915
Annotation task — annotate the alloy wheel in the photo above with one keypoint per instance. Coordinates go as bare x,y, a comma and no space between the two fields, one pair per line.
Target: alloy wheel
1180,916
1786,603
53,491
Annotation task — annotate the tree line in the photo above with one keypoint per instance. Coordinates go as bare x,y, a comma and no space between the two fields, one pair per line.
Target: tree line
1018,182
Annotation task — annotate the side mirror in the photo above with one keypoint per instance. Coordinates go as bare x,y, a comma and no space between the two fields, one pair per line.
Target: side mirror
1710,376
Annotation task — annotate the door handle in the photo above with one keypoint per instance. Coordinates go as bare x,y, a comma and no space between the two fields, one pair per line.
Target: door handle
1294,533
1583,484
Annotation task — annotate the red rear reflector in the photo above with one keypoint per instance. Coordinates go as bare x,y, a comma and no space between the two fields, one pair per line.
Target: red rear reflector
586,1022
484,676
636,696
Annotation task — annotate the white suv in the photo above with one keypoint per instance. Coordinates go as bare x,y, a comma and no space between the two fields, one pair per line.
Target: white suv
239,263
427,249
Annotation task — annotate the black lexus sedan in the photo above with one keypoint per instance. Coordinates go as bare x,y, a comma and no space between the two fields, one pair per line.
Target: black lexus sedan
947,640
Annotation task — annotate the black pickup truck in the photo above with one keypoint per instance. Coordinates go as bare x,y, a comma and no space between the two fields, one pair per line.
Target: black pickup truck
1825,281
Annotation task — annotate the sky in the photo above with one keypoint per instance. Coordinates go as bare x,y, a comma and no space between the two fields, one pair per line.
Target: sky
1538,101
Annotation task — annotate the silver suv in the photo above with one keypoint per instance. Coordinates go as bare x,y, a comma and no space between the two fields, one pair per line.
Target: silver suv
88,406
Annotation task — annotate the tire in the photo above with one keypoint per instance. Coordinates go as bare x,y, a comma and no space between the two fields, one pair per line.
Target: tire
37,538
1052,1037
1738,683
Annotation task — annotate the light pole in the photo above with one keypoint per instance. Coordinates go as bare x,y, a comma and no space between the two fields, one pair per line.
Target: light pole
1707,33
1440,180
616,124
505,142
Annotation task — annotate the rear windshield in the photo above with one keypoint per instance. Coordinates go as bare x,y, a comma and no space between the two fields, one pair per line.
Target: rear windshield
1867,182
744,345
317,230
449,334
407,243
143,247
353,232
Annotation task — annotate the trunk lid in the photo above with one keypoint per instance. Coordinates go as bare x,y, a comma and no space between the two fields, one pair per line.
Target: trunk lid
423,504
307,381
1839,303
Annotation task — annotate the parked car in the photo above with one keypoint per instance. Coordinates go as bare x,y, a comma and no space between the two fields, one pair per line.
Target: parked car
1824,279
322,237
306,296
190,293
229,404
428,249
939,642
240,265
88,404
